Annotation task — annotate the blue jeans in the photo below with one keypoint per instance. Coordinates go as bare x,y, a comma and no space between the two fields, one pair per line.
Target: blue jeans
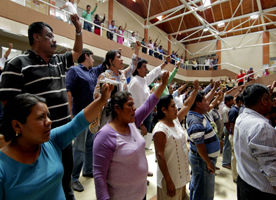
83,154
202,185
87,26
150,52
227,149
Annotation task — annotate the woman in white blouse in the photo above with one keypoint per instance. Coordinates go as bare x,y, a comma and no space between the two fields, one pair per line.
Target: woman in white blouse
170,147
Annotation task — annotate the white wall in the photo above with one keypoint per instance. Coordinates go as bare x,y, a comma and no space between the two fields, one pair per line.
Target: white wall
272,47
245,57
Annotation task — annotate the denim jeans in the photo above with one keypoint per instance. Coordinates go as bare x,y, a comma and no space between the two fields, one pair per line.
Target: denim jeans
150,52
83,154
87,26
202,185
227,149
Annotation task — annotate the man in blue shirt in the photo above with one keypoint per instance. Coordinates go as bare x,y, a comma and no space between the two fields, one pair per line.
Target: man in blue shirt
80,83
204,148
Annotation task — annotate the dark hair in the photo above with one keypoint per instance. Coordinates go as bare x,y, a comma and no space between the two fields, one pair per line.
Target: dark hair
88,6
96,17
143,39
150,40
228,98
164,102
36,27
199,96
109,55
139,65
119,27
132,32
18,108
273,110
119,98
253,94
112,21
239,98
160,46
82,56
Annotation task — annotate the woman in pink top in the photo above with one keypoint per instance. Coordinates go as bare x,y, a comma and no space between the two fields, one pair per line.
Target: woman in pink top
120,164
121,32
266,72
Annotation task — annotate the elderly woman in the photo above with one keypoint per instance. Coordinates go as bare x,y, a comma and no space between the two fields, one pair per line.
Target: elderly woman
170,147
30,165
120,164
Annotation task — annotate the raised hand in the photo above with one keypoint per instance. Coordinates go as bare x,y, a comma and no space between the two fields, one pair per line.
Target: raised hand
178,64
168,59
196,84
10,45
165,77
76,21
107,88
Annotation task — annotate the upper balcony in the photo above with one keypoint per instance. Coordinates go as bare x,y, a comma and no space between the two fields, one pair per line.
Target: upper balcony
15,19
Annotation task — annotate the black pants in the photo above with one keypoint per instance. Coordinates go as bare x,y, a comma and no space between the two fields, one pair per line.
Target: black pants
67,161
247,192
240,83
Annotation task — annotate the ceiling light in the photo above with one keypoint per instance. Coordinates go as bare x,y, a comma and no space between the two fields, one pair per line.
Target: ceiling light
159,18
206,29
221,24
206,3
254,16
134,0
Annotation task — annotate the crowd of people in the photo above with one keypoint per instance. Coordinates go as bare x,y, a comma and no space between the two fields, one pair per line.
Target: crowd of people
48,102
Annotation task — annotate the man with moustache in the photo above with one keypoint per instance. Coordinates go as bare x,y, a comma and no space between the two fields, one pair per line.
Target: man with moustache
42,72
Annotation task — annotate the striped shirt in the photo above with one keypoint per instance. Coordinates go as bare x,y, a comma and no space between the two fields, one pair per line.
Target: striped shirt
29,73
255,150
200,131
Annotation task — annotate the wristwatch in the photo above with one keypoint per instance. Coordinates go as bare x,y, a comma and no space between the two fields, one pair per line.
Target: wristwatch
78,33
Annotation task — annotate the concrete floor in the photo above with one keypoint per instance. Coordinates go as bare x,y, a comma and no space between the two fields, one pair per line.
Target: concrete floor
225,188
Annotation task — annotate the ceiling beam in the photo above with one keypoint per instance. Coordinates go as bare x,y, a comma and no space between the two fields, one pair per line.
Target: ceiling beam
148,13
261,13
171,10
212,35
189,12
233,15
266,11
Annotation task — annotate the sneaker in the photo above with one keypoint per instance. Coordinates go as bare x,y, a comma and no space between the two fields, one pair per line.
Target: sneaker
77,186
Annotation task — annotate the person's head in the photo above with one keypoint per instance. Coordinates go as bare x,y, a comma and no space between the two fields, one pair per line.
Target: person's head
266,70
160,47
113,23
251,69
176,55
150,41
88,8
141,69
257,97
97,17
133,34
240,71
143,40
86,58
72,1
26,119
41,38
229,100
200,105
172,52
239,100
113,60
120,28
122,106
170,88
166,108
158,79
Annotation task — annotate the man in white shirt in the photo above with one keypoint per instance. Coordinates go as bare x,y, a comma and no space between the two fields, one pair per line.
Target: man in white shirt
112,28
138,85
72,7
133,39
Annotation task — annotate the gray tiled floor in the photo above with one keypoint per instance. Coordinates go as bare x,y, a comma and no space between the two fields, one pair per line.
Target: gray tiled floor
225,188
